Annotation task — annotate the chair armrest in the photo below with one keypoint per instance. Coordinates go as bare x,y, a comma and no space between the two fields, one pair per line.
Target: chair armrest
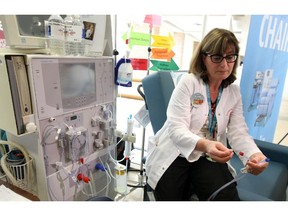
275,152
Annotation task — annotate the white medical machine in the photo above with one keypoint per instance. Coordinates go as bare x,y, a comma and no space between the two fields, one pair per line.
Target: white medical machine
62,110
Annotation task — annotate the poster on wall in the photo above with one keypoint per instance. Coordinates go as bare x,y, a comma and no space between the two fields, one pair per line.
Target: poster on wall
264,70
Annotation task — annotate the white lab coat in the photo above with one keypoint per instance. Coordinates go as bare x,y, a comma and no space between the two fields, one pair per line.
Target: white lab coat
184,121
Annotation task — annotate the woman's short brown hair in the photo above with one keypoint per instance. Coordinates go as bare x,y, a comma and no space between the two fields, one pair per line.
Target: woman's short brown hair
215,42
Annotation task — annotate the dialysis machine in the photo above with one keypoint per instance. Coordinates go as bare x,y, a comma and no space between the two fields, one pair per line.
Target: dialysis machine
64,115
62,110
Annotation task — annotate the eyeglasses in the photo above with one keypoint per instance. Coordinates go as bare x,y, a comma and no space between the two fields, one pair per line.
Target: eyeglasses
219,58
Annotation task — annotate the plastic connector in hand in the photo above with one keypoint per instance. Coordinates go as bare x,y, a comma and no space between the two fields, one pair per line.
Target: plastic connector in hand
245,169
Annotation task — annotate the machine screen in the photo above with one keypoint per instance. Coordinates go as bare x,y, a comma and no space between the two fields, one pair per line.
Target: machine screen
77,80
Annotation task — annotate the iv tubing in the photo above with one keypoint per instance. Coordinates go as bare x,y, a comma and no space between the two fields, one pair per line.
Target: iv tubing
109,171
243,173
237,178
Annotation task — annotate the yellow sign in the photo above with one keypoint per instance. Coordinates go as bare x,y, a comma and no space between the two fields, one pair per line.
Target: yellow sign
163,41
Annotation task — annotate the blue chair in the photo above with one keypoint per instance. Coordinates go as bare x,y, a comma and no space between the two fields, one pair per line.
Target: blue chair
157,88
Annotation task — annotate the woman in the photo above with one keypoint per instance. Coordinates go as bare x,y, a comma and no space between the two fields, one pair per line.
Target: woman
205,110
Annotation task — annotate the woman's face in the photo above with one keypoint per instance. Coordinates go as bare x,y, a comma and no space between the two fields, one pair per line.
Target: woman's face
219,71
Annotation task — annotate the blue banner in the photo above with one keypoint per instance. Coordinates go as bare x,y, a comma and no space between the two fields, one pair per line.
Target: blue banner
263,76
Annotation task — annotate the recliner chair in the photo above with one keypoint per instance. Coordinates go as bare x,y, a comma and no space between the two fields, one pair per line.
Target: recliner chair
158,88
269,185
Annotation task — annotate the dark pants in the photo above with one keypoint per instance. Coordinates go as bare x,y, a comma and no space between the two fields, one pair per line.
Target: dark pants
202,177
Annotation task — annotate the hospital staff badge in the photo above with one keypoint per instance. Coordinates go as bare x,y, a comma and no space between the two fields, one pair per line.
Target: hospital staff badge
197,99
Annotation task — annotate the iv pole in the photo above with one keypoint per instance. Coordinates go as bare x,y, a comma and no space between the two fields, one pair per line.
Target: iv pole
141,176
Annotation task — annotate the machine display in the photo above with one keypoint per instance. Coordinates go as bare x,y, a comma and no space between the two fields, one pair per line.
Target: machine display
80,86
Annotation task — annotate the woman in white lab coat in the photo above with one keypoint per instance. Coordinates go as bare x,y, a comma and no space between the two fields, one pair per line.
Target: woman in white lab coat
205,110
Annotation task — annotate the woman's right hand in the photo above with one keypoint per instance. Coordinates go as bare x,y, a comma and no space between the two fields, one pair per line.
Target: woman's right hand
215,150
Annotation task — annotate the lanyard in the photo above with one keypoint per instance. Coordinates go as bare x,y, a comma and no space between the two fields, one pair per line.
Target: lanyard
212,119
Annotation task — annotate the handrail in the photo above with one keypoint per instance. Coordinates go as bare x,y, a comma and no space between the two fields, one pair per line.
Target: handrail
130,96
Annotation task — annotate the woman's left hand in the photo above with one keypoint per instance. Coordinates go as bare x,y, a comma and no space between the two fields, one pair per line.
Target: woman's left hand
257,163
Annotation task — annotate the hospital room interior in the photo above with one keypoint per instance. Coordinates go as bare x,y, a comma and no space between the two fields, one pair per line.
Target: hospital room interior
70,136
